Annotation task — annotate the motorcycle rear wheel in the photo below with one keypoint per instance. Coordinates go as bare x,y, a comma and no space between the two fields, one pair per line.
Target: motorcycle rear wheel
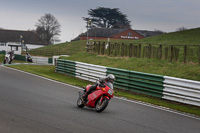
80,103
100,106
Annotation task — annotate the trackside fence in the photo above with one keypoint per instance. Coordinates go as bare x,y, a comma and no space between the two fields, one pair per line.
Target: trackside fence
66,67
138,82
172,53
90,72
170,88
182,90
36,59
42,60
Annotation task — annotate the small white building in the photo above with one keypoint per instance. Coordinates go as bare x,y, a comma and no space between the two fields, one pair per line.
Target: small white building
18,40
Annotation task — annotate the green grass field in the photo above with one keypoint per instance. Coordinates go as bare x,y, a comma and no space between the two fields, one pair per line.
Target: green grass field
191,71
159,67
1,58
187,37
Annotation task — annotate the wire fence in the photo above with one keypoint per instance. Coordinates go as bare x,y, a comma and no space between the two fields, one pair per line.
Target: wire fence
172,53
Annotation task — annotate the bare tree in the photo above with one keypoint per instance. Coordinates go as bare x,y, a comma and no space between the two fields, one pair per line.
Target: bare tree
48,28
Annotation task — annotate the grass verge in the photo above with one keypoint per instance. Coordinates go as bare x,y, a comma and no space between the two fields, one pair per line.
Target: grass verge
153,66
1,58
48,72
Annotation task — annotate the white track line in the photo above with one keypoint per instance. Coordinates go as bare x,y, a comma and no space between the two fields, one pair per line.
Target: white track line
120,98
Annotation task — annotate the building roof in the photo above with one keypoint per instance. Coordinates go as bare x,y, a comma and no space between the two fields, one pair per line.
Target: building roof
103,32
109,32
147,33
29,37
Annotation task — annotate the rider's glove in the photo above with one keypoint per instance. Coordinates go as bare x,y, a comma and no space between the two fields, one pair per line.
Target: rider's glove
102,85
98,83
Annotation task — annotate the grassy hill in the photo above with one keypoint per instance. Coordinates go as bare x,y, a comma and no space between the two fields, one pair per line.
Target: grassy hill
187,37
77,50
60,49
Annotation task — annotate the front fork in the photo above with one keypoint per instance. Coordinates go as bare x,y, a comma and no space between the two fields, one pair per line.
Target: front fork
102,97
80,93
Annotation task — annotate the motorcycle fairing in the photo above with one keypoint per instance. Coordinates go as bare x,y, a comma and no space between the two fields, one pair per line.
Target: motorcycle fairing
93,96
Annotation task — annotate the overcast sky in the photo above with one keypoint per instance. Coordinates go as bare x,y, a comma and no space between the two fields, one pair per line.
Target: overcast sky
164,15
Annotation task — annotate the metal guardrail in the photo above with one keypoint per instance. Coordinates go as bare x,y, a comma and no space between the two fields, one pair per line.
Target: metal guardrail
170,88
182,90
66,67
138,82
36,59
149,84
81,70
90,72
42,60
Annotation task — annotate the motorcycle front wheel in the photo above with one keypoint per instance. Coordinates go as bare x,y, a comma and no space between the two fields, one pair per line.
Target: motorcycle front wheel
100,106
80,103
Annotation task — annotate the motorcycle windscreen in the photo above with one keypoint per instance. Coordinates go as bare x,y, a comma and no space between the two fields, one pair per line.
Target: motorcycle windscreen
110,85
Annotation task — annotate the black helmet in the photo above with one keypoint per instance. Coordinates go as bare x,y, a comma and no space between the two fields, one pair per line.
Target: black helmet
111,78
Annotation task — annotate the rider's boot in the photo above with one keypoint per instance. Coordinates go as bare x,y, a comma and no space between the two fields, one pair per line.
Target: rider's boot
84,97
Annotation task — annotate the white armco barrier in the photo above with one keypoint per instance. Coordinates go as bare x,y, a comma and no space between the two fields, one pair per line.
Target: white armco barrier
175,89
43,60
90,72
182,90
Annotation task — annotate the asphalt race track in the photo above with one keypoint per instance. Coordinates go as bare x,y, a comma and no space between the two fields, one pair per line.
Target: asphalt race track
31,104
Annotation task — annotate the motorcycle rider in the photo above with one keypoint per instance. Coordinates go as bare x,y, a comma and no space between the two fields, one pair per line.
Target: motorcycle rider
108,80
28,57
11,53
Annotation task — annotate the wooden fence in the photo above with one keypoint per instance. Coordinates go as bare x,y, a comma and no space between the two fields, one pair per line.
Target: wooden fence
176,53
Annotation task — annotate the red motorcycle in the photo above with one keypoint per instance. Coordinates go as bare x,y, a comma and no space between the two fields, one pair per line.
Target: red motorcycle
98,99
